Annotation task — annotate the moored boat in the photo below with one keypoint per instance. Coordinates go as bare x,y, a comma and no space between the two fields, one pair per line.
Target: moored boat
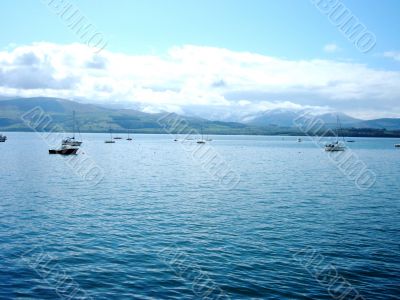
336,145
202,140
71,141
129,137
3,138
110,141
64,150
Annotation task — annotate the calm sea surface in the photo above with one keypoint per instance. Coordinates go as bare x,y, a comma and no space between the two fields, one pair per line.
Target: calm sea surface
158,226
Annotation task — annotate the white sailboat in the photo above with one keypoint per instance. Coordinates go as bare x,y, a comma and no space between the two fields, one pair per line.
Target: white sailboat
71,141
336,145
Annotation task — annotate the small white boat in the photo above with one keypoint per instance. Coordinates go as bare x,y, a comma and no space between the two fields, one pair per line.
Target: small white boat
336,145
71,141
3,138
397,145
299,140
70,145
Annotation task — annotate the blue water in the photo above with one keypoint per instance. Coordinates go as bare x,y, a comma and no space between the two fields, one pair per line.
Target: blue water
112,239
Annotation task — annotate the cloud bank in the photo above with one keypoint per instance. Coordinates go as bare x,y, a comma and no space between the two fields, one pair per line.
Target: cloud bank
211,82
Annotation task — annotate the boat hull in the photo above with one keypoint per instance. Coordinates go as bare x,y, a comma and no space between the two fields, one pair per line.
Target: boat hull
70,151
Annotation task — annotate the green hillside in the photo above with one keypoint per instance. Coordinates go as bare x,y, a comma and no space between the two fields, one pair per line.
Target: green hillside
93,118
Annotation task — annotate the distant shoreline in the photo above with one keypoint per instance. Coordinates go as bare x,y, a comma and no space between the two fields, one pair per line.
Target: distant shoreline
53,114
389,134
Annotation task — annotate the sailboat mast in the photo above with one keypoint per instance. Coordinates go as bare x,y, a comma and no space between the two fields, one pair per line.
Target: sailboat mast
73,124
337,128
340,128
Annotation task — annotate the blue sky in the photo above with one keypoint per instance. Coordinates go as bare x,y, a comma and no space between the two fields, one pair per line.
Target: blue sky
292,31
286,28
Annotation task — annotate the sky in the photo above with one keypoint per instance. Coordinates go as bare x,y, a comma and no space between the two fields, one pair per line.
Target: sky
221,59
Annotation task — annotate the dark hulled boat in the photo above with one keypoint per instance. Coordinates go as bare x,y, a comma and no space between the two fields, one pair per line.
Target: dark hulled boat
64,151
129,137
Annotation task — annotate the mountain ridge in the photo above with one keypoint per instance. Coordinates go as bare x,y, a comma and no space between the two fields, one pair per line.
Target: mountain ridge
96,118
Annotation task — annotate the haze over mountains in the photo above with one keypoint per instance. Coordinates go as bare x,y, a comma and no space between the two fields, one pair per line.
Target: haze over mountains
285,118
94,118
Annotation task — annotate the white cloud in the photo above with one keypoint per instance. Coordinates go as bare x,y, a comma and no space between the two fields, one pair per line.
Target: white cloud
193,78
331,48
392,54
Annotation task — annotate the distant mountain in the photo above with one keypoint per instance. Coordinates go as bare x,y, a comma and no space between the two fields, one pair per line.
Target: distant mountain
386,123
276,117
331,119
93,118
285,118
